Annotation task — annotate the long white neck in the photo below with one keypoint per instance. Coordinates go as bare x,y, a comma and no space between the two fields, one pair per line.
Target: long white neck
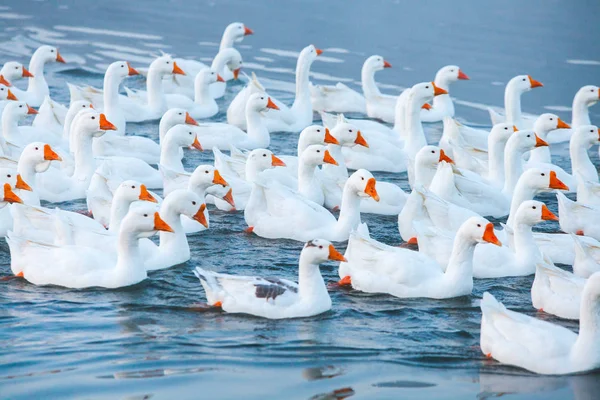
219,62
118,210
580,114
173,242
424,175
349,212
111,93
415,136
369,87
523,192
306,181
400,124
84,157
586,349
311,286
156,96
226,41
169,154
302,101
10,125
443,101
580,159
256,129
513,168
339,170
512,104
202,94
460,265
496,160
129,260
526,249
541,154
38,83
252,171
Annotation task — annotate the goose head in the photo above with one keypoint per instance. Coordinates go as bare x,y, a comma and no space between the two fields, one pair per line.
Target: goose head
316,134
522,141
143,220
77,106
376,63
362,183
532,212
176,116
13,178
587,136
91,122
185,202
48,54
259,102
317,154
478,230
131,191
502,132
236,31
430,156
6,94
542,179
450,74
348,135
165,65
233,60
262,159
523,83
184,136
589,95
423,92
318,251
309,54
548,122
13,71
208,178
39,155
206,77
121,69
18,109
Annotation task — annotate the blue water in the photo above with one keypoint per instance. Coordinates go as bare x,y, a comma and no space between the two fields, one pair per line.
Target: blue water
154,341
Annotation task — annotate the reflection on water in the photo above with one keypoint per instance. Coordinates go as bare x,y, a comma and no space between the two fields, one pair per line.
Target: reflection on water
155,340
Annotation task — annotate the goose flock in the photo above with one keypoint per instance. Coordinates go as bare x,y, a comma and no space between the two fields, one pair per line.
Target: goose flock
83,151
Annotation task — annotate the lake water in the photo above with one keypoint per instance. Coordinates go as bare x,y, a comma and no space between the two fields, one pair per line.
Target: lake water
153,341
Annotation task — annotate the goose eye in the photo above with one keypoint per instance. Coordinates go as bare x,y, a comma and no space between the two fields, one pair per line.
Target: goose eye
190,133
168,62
592,131
318,151
592,90
505,129
83,106
206,172
264,155
122,66
262,98
145,215
133,187
18,68
318,130
21,106
37,148
524,79
528,135
427,87
479,225
320,247
543,174
533,207
350,130
180,113
8,176
551,119
362,178
194,202
432,151
93,117
51,51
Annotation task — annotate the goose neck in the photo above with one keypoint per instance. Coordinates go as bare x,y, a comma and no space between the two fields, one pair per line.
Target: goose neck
38,83
513,168
156,97
349,211
580,113
512,104
169,154
111,92
496,159
311,286
118,210
173,242
302,99
370,89
256,129
415,135
460,265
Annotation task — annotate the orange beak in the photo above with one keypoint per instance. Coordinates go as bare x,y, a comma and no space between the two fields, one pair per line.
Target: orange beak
515,129
462,75
106,125
386,64
132,71
26,73
335,255
50,155
328,159
360,140
160,225
11,96
426,106
177,70
276,162
21,184
444,157
556,183
189,120
4,82
229,198
539,142
562,124
59,57
489,235
438,90
10,196
547,215
31,110
534,83
200,217
236,73
145,195
248,31
218,179
370,189
319,51
92,106
329,138
272,105
197,144
220,78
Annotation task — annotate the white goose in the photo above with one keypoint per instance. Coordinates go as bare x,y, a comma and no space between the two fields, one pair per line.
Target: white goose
13,113
274,211
12,71
374,267
292,119
81,267
582,139
443,105
587,257
174,116
540,346
512,103
178,137
556,291
275,298
37,88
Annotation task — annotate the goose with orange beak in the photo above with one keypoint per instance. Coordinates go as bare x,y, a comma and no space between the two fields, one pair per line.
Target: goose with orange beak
374,267
288,119
177,138
276,212
275,298
81,267
512,113
443,105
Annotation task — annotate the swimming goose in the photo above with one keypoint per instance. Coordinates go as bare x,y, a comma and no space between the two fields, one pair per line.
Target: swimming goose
587,257
12,71
556,291
13,113
275,298
178,137
512,103
443,105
